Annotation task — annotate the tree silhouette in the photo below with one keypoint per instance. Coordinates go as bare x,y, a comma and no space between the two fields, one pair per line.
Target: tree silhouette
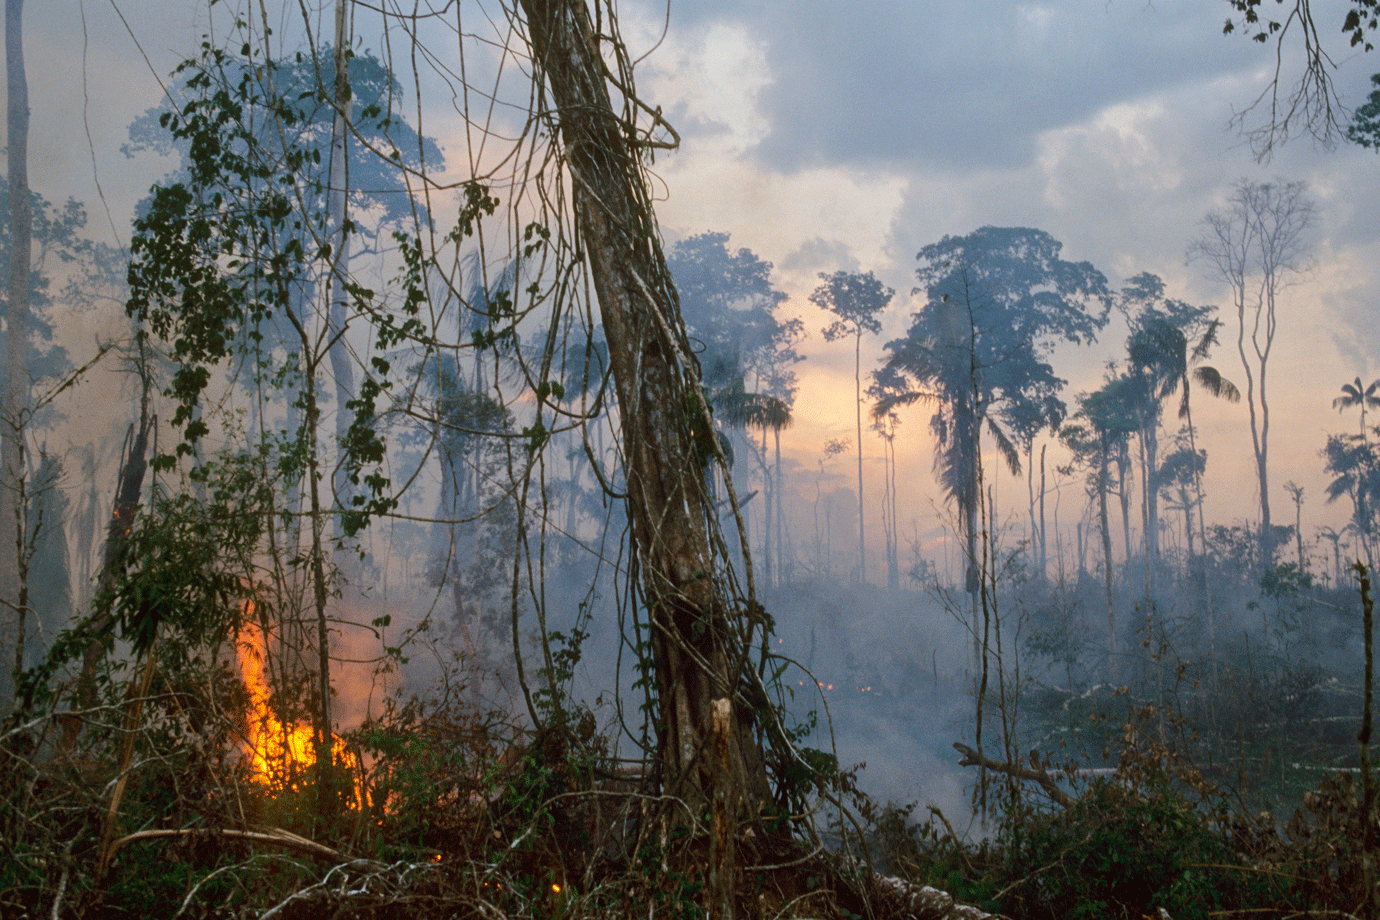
15,385
1179,474
1258,247
857,300
1363,397
1355,468
745,351
1096,435
1163,363
996,302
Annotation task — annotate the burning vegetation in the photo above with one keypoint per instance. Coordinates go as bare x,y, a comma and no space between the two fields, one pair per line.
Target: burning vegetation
588,707
280,753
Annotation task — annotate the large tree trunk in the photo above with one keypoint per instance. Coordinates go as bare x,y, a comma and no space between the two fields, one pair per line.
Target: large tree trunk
14,398
661,409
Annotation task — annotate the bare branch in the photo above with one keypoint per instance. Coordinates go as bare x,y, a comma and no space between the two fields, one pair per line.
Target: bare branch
1038,775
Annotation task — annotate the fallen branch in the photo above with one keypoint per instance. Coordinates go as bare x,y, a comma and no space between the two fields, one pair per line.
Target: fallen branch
972,758
274,836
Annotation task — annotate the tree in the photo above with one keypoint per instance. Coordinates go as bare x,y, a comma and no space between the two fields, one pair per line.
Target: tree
15,387
231,263
997,301
1332,536
729,305
1365,123
775,375
32,232
1311,105
1163,363
1355,468
1258,248
1361,396
1096,435
699,635
1296,493
1352,460
887,383
857,300
1179,475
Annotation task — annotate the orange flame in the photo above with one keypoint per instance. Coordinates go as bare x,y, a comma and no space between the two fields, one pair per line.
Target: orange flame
275,749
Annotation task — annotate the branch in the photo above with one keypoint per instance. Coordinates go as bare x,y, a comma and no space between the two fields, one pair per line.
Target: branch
275,836
972,758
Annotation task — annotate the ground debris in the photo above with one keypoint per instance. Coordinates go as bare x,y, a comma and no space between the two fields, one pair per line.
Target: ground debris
901,899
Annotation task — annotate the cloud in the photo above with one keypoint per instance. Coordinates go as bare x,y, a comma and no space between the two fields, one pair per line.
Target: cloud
969,85
817,252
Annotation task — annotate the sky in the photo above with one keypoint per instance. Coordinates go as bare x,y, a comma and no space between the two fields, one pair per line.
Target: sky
827,136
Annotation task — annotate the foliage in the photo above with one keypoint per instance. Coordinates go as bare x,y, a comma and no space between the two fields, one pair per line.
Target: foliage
227,254
996,302
729,305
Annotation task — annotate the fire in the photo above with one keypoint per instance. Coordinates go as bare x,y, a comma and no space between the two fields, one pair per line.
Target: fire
275,749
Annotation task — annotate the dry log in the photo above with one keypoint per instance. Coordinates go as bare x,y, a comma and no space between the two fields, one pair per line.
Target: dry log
972,758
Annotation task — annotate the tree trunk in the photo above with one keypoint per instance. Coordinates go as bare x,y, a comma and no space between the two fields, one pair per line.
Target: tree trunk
14,399
129,488
1152,505
661,407
780,517
1044,536
893,562
768,495
342,370
857,403
1103,519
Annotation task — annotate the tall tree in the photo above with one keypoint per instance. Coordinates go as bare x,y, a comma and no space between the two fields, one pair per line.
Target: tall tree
1163,362
773,369
887,383
745,350
1258,247
15,387
1096,436
997,301
699,635
338,254
857,300
1352,460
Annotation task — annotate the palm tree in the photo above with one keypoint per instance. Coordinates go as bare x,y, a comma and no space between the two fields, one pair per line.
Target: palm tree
1335,538
1354,395
1159,350
939,363
1352,461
